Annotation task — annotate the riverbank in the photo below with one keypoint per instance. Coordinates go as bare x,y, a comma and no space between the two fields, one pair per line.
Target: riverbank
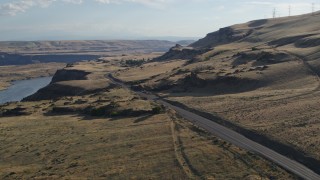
9,74
23,88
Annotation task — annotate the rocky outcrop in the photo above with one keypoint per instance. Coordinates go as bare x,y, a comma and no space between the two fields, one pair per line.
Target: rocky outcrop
181,52
193,80
307,42
68,82
288,40
223,36
260,58
68,75
55,91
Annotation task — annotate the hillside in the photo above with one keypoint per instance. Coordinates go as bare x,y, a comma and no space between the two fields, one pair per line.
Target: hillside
301,31
260,78
84,126
243,102
259,50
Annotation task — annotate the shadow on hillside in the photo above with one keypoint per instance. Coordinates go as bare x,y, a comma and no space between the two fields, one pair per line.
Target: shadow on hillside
258,23
143,118
217,87
86,117
274,144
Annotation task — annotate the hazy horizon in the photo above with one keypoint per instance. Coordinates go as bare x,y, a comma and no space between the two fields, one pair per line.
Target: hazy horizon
151,38
25,20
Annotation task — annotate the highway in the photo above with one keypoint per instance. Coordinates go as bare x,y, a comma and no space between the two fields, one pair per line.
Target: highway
232,136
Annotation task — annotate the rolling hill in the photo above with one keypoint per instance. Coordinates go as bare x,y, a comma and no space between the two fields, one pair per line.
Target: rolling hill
260,78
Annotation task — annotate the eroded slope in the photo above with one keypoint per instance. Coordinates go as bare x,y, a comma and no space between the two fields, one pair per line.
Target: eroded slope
262,76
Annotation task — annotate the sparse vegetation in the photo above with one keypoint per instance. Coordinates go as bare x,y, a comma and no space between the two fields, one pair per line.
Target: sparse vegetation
260,77
157,109
266,81
132,63
115,146
122,135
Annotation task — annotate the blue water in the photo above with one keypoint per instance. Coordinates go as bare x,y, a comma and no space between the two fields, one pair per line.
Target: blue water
22,89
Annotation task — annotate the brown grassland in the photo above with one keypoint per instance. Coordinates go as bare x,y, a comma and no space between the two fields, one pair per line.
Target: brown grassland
114,134
262,76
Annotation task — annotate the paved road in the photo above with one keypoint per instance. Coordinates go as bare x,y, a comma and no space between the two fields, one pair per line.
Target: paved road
233,137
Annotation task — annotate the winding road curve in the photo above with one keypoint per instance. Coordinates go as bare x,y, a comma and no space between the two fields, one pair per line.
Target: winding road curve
231,136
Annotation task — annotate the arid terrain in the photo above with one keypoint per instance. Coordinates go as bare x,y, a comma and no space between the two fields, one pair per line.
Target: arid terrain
105,131
260,79
261,76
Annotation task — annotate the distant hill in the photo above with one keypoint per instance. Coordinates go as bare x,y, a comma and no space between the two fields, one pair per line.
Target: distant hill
26,52
186,42
96,46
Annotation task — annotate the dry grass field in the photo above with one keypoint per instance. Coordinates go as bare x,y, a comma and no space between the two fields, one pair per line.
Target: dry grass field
61,140
262,75
112,133
149,71
293,121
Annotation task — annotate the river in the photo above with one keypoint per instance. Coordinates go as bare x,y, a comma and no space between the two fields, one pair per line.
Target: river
24,88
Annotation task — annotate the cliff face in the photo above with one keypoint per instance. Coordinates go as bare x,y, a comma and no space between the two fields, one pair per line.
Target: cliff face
223,36
69,82
180,52
54,91
68,75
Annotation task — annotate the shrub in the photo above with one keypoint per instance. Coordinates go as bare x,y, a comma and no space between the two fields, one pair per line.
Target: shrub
98,112
114,113
254,49
113,105
134,62
157,110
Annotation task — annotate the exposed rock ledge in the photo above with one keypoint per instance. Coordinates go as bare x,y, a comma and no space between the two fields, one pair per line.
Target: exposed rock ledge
69,82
